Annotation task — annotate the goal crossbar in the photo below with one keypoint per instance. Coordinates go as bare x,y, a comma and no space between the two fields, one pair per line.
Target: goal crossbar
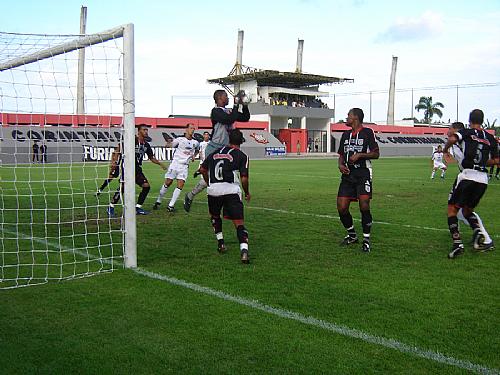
79,43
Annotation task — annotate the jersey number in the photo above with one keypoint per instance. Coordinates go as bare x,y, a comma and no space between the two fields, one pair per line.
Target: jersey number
218,170
479,153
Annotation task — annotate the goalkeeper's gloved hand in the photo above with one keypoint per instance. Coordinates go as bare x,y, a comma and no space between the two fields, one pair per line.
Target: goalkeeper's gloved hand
242,97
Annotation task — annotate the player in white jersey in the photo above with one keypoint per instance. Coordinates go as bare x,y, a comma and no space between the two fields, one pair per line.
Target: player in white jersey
201,185
186,149
203,147
438,162
456,153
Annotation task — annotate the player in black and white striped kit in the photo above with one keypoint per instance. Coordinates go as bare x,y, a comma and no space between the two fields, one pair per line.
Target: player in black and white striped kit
492,168
357,147
142,148
480,150
114,169
222,171
457,153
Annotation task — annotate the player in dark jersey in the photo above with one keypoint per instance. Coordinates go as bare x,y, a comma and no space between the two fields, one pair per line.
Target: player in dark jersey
357,147
114,169
457,155
223,120
220,171
480,150
142,148
492,168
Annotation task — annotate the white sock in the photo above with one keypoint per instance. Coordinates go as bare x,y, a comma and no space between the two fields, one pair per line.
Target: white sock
197,189
433,173
175,195
138,205
487,238
163,191
243,246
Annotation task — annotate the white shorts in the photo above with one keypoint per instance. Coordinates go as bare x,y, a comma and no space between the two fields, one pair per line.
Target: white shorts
439,165
177,172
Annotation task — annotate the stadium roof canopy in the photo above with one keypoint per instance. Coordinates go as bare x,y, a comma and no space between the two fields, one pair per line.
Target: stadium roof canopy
279,79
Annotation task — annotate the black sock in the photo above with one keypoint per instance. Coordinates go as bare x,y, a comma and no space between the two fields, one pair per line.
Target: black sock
217,224
366,222
473,222
346,220
453,226
142,195
104,184
242,234
116,197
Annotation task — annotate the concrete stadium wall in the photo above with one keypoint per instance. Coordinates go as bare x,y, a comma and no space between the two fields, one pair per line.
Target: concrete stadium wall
403,144
68,144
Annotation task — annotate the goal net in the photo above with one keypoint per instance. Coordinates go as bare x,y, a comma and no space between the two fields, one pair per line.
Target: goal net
66,101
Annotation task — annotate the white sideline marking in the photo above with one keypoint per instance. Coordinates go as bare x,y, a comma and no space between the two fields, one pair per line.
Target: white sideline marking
309,320
326,216
332,327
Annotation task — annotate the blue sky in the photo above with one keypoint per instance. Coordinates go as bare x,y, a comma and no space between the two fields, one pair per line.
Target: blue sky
179,44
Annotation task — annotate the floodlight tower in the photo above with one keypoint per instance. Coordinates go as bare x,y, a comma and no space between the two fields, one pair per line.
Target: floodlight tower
300,53
392,92
80,86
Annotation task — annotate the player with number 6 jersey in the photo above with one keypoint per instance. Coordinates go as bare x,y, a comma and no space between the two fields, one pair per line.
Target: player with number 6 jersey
222,171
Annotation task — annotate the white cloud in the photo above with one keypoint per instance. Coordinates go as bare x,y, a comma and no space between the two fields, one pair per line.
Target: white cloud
428,25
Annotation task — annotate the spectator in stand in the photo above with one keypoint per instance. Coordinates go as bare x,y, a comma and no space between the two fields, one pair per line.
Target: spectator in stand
43,152
35,149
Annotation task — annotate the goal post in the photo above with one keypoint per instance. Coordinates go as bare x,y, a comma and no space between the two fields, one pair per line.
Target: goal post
130,252
52,224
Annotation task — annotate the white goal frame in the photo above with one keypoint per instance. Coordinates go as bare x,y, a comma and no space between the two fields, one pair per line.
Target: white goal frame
127,33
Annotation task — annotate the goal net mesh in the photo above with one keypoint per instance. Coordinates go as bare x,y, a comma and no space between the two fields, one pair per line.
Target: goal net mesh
52,161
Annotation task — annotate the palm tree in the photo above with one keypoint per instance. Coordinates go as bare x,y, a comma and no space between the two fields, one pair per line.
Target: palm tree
491,125
430,108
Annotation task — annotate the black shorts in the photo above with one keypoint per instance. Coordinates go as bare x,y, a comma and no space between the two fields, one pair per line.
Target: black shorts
231,204
140,179
115,172
355,186
466,193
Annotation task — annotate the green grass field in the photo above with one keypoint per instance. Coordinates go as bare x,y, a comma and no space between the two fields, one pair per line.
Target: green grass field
289,311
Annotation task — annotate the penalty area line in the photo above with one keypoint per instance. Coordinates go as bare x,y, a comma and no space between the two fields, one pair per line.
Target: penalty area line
291,315
334,217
